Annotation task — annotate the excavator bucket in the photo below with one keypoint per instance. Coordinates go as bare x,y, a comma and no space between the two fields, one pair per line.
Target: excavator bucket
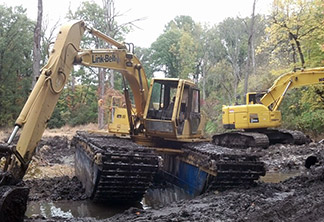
13,203
13,198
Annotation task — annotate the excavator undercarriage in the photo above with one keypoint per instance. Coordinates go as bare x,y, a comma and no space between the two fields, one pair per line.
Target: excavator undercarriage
260,138
117,169
113,169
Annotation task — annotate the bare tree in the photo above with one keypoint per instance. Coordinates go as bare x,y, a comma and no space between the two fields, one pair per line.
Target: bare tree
251,53
37,40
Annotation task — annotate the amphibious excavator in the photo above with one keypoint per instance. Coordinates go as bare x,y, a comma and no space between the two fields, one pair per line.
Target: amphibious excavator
167,125
259,119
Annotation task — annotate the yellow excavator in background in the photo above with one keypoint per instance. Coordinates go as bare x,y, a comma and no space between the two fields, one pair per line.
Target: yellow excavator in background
118,117
167,121
260,115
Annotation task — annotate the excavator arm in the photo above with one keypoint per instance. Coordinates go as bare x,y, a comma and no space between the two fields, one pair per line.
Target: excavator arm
43,98
273,98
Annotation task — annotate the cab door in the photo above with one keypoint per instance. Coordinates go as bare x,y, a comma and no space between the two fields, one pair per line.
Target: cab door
194,116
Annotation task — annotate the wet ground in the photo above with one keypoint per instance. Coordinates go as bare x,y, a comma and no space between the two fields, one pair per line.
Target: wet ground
289,192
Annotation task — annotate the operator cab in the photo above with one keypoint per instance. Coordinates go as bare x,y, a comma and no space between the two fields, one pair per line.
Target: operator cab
173,110
254,97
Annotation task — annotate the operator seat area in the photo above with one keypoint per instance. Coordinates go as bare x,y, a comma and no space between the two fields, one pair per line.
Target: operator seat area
173,102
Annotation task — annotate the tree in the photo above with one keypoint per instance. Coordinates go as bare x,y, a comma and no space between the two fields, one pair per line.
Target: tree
293,22
234,40
211,52
175,51
37,43
16,38
251,54
104,19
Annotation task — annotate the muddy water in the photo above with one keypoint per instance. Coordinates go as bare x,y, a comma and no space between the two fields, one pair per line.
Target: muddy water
154,198
73,209
157,198
277,177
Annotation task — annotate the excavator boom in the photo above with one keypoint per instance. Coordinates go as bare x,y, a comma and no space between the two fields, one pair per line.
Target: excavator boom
277,91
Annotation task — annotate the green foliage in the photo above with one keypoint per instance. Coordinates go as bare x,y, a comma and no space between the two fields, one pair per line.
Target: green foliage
144,55
293,32
303,109
77,105
16,41
175,51
311,122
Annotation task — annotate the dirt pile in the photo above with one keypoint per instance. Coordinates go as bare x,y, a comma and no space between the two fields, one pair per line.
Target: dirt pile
53,158
52,150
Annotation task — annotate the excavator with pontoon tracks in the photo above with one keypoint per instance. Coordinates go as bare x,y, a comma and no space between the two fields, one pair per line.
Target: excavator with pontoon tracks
168,126
260,118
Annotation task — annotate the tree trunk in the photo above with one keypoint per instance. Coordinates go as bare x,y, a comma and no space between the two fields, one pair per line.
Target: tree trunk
251,58
37,39
111,79
109,7
236,81
300,52
101,94
204,82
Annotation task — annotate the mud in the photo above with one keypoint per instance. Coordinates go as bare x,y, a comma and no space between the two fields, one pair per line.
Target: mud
300,198
57,188
52,150
286,158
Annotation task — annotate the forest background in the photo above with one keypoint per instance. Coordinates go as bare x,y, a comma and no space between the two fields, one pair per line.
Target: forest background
226,60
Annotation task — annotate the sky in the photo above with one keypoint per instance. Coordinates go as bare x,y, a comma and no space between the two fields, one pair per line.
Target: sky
157,13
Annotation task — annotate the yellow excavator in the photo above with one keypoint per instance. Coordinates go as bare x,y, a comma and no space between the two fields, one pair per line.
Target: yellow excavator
167,125
259,117
118,117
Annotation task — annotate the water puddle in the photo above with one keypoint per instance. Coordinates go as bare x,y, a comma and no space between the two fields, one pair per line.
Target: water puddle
157,198
154,198
72,209
277,177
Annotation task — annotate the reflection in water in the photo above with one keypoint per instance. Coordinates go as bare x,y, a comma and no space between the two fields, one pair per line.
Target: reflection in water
73,209
154,198
157,198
